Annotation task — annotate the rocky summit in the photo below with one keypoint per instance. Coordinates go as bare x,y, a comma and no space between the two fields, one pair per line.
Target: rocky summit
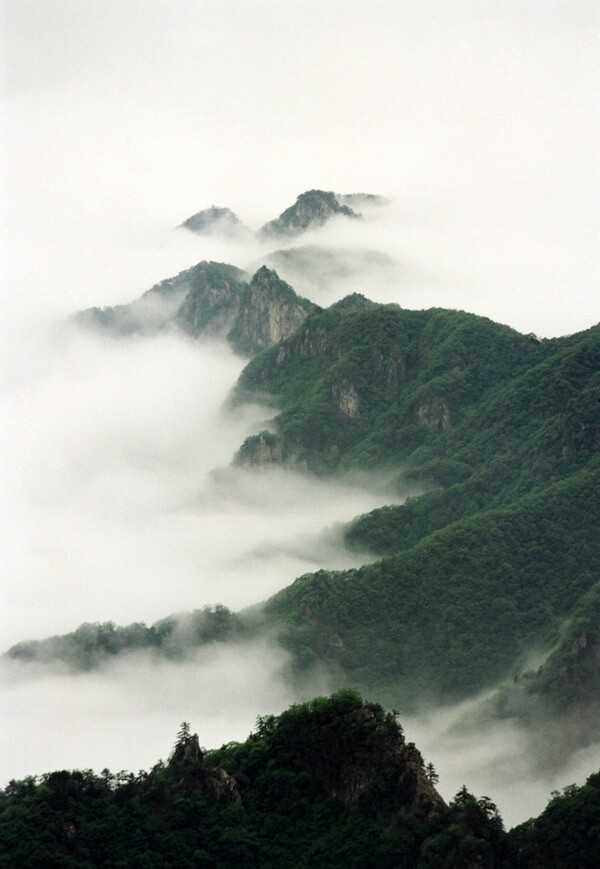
310,210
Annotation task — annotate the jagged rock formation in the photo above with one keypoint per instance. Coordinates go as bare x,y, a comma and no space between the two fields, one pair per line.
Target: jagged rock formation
311,210
434,413
350,748
269,311
211,299
189,764
260,451
217,221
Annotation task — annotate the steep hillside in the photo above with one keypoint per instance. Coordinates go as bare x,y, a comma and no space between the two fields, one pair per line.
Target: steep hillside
505,432
363,385
460,609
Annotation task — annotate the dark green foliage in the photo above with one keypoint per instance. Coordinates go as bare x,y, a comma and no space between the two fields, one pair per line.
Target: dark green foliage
566,835
450,615
172,637
503,434
472,835
190,811
327,783
413,374
569,680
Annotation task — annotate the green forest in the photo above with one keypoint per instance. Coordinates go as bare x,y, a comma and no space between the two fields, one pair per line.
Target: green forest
331,782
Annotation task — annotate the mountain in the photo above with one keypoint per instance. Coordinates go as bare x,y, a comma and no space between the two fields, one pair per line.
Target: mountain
499,553
211,299
331,782
269,312
312,209
502,432
217,221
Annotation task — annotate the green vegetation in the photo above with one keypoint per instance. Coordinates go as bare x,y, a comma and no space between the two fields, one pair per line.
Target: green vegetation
503,433
566,834
172,637
452,614
328,783
414,375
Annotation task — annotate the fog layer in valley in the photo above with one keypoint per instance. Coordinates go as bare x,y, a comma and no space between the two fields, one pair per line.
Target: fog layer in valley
515,767
477,120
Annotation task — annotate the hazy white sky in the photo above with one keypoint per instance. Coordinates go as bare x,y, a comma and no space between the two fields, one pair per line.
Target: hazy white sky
120,118
479,117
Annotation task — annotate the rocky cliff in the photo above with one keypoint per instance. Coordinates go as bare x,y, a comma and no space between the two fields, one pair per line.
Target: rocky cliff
353,750
269,311
212,299
260,451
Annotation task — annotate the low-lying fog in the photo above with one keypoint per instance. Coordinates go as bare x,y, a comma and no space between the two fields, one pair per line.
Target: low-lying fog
479,124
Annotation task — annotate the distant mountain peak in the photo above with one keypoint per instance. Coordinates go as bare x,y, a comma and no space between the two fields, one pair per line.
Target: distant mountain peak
312,209
216,221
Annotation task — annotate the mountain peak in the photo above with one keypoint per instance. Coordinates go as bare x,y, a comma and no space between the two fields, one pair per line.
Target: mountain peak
216,221
312,209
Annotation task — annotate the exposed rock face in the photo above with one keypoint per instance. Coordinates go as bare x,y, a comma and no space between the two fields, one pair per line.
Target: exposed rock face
311,209
214,782
221,786
212,299
434,413
346,397
212,302
217,221
358,750
260,451
269,312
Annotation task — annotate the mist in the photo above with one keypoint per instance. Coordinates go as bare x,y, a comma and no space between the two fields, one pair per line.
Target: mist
125,715
515,766
477,121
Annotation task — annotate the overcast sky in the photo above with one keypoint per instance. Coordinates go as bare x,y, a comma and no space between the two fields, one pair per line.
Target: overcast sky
478,119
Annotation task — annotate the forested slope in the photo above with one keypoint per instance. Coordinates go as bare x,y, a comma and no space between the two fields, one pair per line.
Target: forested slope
502,433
